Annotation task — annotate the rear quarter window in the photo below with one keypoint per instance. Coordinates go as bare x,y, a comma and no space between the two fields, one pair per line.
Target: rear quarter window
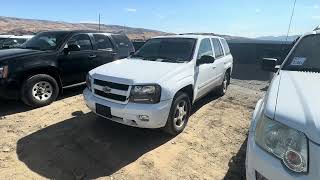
124,44
225,46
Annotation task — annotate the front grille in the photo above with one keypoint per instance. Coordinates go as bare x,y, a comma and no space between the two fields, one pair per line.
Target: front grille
112,85
115,97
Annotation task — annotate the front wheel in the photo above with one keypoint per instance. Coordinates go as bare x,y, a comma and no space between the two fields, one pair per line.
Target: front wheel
179,114
39,90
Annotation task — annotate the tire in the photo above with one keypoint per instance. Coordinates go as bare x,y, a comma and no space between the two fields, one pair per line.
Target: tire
222,90
39,90
178,118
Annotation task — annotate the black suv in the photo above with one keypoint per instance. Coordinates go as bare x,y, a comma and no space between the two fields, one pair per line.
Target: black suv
54,60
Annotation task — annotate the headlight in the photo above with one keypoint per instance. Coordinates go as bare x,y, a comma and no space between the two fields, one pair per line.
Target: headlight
149,94
288,144
88,81
4,72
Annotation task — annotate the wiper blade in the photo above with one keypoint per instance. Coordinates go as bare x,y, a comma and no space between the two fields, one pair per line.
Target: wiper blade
311,69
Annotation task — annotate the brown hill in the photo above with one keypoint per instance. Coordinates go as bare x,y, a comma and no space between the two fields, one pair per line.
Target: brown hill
19,26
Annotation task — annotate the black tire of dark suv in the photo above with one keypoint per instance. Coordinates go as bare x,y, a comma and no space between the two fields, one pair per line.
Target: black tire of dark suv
39,90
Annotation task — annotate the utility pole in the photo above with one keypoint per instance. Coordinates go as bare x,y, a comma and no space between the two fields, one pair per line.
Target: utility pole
99,21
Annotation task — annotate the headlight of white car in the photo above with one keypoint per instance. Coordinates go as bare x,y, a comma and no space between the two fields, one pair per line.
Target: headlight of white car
148,94
288,144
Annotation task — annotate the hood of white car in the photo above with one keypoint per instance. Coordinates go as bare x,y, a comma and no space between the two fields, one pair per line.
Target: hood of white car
136,71
298,103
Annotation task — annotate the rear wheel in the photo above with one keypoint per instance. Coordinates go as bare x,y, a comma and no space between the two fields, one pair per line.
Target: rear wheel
222,90
179,114
39,90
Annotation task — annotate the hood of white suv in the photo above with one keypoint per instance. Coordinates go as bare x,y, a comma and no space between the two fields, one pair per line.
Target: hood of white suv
136,71
298,102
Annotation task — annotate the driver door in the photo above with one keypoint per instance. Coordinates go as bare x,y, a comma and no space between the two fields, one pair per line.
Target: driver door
205,73
75,64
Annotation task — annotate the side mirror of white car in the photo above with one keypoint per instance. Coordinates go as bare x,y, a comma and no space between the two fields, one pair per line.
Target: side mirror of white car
269,64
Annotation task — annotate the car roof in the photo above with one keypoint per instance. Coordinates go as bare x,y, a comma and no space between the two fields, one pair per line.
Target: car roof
83,31
192,36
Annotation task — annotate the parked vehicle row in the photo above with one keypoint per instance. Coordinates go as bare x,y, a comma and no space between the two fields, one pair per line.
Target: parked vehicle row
284,137
157,86
12,41
39,70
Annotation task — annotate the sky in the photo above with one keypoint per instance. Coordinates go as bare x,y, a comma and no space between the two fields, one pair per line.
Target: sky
248,18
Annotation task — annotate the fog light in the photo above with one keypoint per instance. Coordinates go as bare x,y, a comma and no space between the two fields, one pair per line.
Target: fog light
143,117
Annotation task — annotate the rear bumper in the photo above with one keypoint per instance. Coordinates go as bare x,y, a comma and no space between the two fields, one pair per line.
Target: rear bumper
128,114
9,89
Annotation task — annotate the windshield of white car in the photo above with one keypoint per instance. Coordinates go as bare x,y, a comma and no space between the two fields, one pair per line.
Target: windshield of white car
175,50
305,56
46,41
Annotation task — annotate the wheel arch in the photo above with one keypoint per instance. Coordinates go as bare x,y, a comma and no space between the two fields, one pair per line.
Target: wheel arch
189,90
51,71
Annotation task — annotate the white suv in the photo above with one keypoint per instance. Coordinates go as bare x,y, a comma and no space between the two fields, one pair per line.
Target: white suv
156,87
284,137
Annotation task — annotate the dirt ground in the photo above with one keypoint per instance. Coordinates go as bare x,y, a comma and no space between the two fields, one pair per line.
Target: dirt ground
66,141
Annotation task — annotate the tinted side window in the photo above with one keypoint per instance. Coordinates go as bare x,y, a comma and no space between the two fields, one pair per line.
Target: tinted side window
217,48
102,41
122,41
225,46
205,48
82,40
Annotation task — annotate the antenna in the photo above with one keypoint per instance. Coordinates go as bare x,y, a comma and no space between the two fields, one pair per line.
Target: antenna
293,9
283,48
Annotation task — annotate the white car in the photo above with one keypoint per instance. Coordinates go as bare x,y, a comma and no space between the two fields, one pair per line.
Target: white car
156,87
284,137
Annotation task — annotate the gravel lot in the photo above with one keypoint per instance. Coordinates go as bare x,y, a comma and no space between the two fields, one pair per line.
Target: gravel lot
66,141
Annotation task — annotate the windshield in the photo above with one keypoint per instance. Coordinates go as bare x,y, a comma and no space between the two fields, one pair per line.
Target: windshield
46,41
306,55
1,41
167,50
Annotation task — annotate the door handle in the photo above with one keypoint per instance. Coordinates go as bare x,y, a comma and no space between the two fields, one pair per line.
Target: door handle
92,56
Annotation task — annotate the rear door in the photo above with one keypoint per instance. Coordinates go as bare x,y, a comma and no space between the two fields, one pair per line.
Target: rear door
205,72
104,49
220,60
76,64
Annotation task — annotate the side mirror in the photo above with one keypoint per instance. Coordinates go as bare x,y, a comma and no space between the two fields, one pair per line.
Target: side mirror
72,47
269,64
205,60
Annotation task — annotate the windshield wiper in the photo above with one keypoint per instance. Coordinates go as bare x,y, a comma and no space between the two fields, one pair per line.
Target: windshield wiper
137,56
310,69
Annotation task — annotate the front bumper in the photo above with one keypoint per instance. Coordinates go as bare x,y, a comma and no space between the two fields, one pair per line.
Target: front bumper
9,89
128,113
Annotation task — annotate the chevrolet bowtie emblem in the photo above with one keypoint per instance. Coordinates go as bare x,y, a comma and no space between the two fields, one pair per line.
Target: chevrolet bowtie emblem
106,89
